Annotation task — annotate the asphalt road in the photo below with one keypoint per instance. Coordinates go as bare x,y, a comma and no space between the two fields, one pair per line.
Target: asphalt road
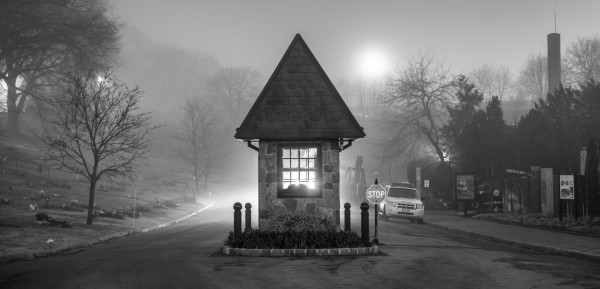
187,255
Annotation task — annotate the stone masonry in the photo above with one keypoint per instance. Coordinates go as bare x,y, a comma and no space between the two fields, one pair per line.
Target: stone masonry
267,182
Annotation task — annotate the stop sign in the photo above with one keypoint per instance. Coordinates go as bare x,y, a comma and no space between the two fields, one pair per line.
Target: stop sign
376,194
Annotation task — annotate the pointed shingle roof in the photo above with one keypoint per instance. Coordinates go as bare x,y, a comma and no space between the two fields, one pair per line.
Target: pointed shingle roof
299,102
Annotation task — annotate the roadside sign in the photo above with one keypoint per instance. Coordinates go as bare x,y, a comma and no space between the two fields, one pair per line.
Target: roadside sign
376,194
567,183
465,187
427,183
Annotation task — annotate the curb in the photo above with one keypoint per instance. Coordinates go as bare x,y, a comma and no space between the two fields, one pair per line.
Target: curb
577,233
300,252
46,253
557,251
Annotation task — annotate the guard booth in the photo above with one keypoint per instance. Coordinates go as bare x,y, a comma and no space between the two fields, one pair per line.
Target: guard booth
299,124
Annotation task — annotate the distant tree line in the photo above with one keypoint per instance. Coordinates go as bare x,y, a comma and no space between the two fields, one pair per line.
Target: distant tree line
430,113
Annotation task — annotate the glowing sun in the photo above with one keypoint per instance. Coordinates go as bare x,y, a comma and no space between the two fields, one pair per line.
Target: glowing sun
372,63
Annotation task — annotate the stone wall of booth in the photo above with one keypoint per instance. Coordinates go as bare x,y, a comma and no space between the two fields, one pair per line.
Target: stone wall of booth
268,177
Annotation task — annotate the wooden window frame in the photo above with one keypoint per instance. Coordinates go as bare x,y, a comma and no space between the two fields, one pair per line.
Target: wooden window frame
282,192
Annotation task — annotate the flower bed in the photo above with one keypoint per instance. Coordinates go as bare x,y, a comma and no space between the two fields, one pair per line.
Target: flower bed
294,240
297,230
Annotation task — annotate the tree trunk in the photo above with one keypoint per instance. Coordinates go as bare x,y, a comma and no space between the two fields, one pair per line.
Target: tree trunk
206,182
12,119
90,215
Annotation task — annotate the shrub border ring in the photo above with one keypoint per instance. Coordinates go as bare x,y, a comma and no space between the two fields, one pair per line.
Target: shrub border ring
300,252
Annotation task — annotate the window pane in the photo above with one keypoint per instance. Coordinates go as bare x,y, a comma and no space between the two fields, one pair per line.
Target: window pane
294,153
294,163
286,176
286,185
312,153
311,176
303,176
303,164
285,153
311,164
286,163
312,185
303,153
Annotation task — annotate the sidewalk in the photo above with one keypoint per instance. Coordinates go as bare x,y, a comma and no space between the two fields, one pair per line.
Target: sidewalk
550,241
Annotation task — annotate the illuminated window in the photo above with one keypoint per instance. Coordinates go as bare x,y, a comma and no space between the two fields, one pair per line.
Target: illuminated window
299,171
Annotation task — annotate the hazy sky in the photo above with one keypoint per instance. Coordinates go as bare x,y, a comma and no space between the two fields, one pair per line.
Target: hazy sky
467,33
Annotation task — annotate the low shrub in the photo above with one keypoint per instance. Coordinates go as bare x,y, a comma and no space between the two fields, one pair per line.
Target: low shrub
282,220
115,214
46,219
165,204
129,213
139,208
294,240
4,201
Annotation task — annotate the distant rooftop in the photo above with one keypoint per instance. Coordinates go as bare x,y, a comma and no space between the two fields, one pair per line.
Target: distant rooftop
299,102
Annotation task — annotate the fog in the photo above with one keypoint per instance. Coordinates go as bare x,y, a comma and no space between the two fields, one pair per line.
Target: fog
174,58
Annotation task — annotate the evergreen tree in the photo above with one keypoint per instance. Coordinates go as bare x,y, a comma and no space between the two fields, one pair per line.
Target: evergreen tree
461,116
593,183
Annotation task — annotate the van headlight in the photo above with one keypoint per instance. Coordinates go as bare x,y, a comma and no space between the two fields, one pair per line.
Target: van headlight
391,204
419,206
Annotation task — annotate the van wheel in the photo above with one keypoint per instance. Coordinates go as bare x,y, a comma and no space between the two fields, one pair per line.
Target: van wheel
420,221
412,220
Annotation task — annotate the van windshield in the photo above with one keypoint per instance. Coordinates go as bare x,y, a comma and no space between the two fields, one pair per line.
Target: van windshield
403,193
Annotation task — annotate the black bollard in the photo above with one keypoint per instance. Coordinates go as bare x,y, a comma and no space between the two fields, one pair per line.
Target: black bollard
364,222
347,217
248,218
237,221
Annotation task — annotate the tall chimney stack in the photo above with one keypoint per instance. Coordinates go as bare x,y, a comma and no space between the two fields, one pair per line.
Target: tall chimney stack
553,62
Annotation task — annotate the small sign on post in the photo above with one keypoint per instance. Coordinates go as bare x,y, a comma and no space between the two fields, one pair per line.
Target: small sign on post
567,184
427,183
376,195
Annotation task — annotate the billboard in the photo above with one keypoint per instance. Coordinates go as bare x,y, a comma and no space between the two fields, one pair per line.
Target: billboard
465,187
566,189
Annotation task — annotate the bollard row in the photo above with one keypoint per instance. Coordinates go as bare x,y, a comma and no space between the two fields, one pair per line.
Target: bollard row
237,220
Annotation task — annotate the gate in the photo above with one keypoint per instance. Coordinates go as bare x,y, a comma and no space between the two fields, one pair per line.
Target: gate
522,192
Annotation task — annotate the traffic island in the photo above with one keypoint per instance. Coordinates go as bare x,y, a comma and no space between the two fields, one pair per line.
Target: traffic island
300,252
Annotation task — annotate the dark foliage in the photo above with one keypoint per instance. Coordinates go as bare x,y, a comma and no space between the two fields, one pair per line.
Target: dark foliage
592,198
281,220
46,219
295,240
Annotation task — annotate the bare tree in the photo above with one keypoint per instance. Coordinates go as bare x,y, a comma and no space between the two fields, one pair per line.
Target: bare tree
582,61
201,139
534,76
491,80
503,79
234,89
484,79
41,38
419,95
96,131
